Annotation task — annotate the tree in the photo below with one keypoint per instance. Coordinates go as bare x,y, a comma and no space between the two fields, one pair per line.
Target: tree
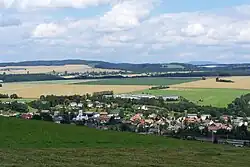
66,102
42,97
46,117
14,96
121,114
37,117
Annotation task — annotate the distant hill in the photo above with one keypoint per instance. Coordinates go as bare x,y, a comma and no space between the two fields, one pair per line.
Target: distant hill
232,69
201,62
50,63
145,67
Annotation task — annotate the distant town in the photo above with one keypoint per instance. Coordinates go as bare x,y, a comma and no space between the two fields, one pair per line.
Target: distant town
172,116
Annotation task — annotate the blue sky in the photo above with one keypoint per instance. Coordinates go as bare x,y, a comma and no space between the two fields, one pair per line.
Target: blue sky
197,5
125,30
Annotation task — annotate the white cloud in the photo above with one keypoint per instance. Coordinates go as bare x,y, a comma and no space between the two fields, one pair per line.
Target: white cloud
128,32
194,30
48,30
126,15
26,4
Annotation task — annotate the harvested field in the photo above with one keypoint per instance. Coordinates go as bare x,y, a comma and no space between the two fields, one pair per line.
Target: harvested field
33,90
239,83
49,69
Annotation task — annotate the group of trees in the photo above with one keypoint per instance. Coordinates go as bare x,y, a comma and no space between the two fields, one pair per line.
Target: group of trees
224,80
14,106
159,87
240,106
28,77
6,96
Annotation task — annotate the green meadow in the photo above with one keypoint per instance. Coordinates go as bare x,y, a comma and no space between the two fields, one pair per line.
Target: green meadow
140,81
35,143
214,97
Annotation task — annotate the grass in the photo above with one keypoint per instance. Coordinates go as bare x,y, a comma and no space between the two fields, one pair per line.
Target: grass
140,81
19,100
34,143
214,97
72,81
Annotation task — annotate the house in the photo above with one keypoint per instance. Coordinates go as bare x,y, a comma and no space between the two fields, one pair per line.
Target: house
108,105
108,96
27,116
170,98
57,119
45,111
191,120
225,117
98,104
136,118
90,105
80,105
104,118
81,117
145,108
243,123
205,117
73,104
56,113
216,126
193,116
152,116
149,121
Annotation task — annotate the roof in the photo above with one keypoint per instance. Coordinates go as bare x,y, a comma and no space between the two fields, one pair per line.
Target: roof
103,113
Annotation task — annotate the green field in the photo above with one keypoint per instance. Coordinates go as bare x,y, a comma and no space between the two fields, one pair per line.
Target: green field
19,100
214,97
140,81
34,143
54,82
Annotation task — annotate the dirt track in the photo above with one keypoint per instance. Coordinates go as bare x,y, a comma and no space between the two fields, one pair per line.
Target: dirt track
239,83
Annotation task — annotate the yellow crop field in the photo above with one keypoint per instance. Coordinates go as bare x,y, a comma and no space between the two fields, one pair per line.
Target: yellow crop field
239,83
49,69
34,90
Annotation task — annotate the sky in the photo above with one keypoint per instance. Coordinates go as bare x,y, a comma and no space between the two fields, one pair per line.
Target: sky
136,31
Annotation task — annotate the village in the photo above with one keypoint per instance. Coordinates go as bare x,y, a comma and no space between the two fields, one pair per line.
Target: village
127,112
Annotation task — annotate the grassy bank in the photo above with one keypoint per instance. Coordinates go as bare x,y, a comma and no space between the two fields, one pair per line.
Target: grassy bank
35,143
214,97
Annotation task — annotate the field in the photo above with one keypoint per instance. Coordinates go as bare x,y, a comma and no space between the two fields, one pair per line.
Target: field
140,81
214,97
33,143
34,90
49,69
71,87
239,83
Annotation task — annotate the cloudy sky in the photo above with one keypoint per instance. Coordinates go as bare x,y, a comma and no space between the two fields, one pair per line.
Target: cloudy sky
125,30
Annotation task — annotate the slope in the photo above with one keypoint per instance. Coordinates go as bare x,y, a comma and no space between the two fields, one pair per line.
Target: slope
34,143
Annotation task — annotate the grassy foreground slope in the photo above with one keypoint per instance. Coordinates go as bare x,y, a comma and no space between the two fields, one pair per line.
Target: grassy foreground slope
141,81
34,143
214,97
